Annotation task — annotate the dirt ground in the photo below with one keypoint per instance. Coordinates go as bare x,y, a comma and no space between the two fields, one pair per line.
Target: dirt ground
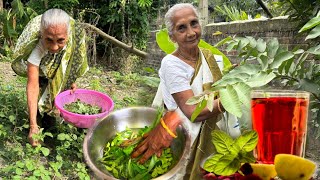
6,72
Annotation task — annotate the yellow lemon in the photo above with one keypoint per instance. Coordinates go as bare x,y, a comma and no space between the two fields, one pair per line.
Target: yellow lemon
291,167
264,171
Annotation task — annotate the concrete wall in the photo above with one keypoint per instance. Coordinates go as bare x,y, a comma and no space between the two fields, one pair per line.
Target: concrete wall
279,27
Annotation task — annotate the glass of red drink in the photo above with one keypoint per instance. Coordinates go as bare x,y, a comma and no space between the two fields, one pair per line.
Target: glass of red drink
280,119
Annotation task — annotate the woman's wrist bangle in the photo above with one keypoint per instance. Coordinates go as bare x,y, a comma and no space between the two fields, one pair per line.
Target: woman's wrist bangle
167,129
219,108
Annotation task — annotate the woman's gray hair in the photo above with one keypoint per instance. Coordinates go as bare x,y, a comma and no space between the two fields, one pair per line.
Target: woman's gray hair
54,17
170,13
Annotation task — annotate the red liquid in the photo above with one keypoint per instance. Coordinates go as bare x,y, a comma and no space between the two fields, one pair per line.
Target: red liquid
281,124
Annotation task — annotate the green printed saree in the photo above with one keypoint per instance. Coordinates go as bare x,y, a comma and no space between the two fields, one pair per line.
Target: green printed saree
59,70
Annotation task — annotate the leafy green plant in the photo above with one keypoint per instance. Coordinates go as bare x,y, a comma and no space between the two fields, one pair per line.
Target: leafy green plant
40,7
117,158
300,10
265,64
80,107
13,21
19,160
231,153
232,13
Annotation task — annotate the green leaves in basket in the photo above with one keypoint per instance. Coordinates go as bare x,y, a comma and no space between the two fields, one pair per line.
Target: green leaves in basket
80,107
231,153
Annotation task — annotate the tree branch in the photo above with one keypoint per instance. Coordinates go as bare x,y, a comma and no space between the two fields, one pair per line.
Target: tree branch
264,7
116,42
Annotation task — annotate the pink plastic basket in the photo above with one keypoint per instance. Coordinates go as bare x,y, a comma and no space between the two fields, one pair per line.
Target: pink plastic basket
88,96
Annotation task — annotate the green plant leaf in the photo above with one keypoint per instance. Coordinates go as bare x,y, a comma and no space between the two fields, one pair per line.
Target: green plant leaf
45,151
289,65
280,58
227,80
298,51
210,101
260,79
310,24
18,171
210,163
195,99
30,165
246,157
151,81
245,68
247,141
315,32
221,141
243,91
272,47
231,46
226,61
252,41
164,42
227,165
310,86
61,136
261,45
198,109
223,41
17,8
243,42
314,50
230,100
263,60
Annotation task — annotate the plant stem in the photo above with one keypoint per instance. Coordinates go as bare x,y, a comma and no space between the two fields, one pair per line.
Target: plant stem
289,78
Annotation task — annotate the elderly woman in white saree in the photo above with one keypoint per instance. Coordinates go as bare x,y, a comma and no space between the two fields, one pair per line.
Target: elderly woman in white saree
187,72
51,52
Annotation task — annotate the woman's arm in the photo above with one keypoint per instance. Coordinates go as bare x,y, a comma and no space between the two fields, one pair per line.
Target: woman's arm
32,99
181,99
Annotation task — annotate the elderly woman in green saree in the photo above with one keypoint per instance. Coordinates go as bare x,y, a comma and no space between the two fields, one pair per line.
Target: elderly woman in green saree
51,53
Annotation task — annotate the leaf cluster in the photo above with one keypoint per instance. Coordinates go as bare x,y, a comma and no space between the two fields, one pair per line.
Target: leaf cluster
117,157
230,153
232,13
19,160
80,107
299,10
264,65
12,22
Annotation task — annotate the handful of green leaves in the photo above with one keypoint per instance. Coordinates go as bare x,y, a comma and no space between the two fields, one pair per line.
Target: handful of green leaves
117,159
80,107
231,153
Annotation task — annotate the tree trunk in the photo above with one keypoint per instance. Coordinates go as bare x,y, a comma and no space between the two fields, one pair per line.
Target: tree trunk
1,5
204,13
46,4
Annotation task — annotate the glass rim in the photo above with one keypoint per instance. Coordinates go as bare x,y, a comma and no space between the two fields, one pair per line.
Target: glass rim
279,93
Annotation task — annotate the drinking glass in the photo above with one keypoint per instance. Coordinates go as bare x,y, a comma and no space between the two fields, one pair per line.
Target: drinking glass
280,119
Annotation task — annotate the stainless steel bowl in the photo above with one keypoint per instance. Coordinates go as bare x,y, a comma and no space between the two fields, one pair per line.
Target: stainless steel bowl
135,117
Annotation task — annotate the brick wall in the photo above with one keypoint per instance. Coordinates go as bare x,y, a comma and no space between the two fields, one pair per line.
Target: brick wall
279,27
